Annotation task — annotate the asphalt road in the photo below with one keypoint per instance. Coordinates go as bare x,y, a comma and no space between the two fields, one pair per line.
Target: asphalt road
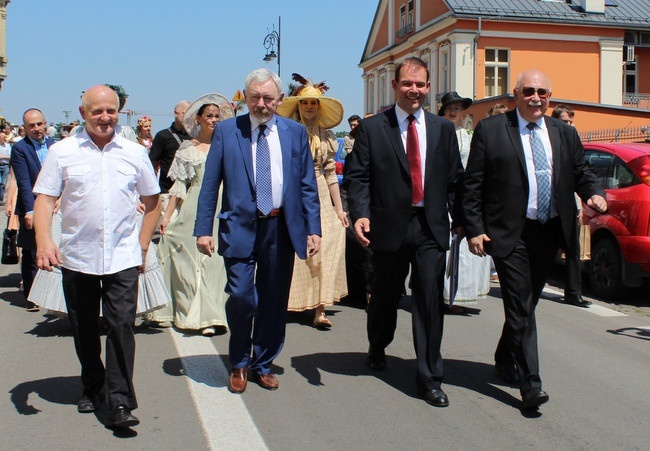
594,363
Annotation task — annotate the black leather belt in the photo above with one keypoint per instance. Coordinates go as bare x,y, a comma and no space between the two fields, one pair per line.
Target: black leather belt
271,214
417,210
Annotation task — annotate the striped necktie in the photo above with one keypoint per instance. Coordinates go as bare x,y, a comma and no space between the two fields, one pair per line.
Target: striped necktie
542,174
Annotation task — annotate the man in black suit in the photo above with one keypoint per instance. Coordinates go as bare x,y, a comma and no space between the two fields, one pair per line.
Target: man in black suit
519,207
402,179
27,156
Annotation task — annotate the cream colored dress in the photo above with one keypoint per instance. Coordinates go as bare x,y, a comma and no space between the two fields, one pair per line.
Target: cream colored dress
321,279
195,281
473,271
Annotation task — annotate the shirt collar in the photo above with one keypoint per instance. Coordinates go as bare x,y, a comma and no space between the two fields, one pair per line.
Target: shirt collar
541,123
255,123
84,138
403,115
36,143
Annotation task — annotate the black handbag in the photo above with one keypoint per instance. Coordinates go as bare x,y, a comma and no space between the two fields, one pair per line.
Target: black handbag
9,251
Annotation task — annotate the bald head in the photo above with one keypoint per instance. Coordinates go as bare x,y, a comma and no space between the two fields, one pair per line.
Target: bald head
99,107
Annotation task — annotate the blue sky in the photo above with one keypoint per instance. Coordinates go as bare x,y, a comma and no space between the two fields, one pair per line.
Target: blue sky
165,51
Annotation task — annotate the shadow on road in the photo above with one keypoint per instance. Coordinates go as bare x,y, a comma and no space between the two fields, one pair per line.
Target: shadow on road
58,390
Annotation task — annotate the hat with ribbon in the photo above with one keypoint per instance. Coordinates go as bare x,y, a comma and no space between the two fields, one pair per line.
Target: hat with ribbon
330,110
189,118
453,97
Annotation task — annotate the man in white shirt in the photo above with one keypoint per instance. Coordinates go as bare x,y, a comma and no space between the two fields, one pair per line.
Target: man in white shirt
99,176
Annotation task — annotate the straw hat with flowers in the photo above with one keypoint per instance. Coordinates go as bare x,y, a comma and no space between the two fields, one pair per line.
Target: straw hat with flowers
330,111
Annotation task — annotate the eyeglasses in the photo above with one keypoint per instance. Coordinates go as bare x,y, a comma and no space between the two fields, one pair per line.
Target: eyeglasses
529,92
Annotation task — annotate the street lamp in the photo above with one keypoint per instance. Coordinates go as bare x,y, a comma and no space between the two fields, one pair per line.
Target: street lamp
270,41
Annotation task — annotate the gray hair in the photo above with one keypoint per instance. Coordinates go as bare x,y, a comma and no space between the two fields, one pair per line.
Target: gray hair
182,103
262,76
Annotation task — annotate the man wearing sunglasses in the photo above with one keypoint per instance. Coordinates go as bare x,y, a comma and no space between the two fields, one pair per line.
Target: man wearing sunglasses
519,207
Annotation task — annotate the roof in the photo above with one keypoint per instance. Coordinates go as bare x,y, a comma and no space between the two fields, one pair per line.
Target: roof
627,13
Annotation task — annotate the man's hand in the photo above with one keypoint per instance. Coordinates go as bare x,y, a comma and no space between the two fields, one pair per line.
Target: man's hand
361,227
29,221
48,256
598,203
476,245
313,245
205,245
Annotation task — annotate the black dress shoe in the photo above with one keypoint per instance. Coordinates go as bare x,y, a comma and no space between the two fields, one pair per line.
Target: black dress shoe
508,373
534,398
577,300
85,405
120,417
436,398
376,363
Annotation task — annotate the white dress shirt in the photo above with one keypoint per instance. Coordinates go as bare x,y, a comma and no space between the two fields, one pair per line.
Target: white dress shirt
99,192
524,133
273,138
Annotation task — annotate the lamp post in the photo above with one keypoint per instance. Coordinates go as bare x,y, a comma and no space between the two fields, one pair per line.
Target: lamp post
270,41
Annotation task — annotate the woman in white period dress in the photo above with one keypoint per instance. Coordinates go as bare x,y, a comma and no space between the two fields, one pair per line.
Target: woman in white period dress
473,271
196,282
143,132
320,280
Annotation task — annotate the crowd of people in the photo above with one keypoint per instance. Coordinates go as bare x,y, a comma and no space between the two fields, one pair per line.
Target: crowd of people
138,233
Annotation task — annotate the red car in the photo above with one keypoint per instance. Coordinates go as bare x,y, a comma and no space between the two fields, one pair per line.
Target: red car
620,239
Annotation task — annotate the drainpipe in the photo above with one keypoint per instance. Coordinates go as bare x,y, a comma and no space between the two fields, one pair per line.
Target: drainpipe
478,33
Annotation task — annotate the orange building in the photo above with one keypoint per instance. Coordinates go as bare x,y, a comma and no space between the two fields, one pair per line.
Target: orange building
596,53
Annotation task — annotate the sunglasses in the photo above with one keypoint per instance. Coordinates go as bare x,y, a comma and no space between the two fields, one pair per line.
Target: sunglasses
528,92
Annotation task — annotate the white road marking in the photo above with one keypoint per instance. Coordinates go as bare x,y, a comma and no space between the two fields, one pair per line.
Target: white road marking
226,421
593,308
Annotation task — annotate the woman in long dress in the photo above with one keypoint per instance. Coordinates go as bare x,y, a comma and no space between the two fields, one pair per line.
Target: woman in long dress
196,282
320,280
473,271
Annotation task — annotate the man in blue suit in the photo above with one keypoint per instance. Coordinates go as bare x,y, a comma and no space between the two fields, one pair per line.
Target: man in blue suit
269,212
27,156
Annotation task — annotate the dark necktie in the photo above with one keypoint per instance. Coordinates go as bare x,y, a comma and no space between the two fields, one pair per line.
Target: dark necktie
542,174
263,187
413,157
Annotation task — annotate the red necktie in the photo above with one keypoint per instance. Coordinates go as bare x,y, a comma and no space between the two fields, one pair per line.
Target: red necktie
413,157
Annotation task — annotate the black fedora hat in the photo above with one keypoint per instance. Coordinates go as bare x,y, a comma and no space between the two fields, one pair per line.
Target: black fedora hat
453,97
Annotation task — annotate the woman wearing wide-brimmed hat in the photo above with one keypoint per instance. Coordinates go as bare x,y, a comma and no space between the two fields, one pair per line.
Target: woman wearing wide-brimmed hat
196,282
473,271
320,280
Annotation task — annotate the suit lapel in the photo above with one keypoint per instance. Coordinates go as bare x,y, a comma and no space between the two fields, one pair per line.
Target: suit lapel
556,146
33,153
285,148
512,127
244,134
392,131
433,137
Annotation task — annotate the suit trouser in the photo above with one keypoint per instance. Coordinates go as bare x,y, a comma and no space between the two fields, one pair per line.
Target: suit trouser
27,241
573,286
427,260
119,294
522,276
257,306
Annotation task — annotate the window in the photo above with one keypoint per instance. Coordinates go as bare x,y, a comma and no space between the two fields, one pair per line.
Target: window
629,73
410,20
600,163
402,16
496,72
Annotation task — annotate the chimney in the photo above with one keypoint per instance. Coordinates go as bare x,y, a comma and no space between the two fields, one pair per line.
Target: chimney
593,6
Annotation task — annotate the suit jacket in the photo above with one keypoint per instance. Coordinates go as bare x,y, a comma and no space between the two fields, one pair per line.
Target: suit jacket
379,184
230,161
26,165
495,195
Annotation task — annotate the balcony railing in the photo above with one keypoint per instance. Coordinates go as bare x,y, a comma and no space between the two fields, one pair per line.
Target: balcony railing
405,30
635,100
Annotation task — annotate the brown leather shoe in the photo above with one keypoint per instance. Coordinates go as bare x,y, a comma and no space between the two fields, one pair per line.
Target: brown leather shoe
237,381
268,381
